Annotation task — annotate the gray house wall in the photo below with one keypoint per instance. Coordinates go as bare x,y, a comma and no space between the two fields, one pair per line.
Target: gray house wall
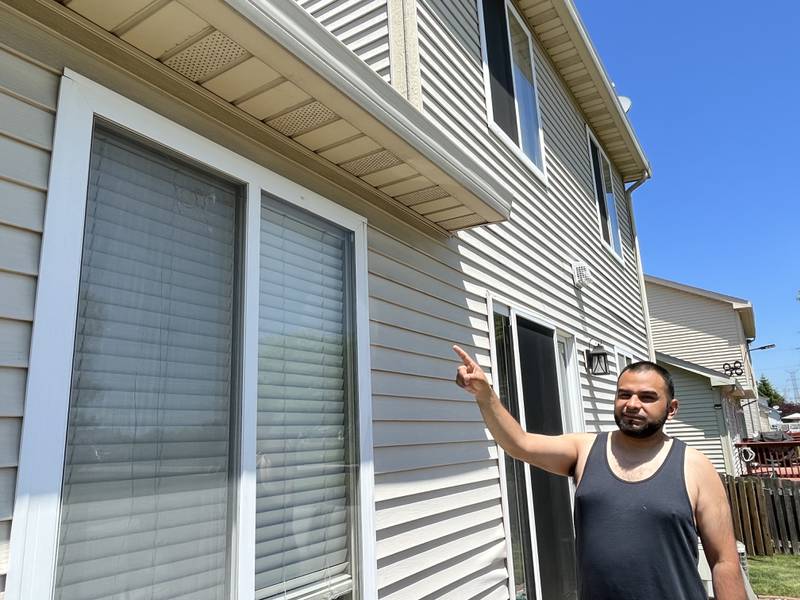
28,93
440,531
698,423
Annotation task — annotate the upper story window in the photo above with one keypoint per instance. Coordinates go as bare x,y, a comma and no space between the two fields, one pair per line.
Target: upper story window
604,193
510,78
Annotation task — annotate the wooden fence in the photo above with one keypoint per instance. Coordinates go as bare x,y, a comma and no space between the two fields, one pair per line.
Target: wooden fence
766,513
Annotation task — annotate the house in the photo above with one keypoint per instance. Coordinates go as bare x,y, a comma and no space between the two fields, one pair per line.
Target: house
238,239
704,335
760,416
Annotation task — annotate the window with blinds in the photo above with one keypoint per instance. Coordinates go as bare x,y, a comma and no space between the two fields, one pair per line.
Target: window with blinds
146,506
305,435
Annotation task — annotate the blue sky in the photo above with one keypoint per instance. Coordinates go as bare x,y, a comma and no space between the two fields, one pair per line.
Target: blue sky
715,89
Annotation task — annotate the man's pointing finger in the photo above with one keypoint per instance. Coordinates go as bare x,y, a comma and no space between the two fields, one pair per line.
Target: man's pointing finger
465,358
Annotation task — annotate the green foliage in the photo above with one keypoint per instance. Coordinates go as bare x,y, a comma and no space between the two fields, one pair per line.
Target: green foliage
767,390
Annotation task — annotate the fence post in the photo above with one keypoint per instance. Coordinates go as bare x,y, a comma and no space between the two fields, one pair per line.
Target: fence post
747,528
791,522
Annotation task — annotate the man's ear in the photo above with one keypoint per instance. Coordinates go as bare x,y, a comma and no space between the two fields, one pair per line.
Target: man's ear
672,408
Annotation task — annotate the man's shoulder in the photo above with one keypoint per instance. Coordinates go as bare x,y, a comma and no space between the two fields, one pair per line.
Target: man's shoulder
697,463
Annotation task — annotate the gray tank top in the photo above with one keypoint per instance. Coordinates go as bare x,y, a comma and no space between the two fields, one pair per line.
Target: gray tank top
636,540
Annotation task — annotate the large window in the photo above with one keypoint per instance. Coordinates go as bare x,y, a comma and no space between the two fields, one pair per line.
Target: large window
199,424
305,405
604,194
511,79
146,492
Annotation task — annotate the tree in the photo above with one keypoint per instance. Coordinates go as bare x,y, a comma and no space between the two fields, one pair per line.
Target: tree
767,390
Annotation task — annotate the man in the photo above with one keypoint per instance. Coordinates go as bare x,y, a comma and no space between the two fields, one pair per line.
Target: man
641,497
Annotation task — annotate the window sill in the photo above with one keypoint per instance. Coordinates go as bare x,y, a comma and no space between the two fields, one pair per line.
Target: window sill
540,173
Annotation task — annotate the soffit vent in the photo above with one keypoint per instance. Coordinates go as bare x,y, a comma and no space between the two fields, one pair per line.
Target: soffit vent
372,163
206,57
307,117
431,193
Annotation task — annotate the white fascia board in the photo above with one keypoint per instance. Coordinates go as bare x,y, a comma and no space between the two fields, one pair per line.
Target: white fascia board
743,308
715,378
736,303
583,43
412,135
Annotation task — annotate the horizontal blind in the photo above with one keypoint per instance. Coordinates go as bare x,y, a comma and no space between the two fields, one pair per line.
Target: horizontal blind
146,477
302,521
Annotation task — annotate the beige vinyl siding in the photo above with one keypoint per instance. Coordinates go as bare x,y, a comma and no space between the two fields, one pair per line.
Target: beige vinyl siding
361,25
698,423
551,225
695,328
28,95
438,509
437,478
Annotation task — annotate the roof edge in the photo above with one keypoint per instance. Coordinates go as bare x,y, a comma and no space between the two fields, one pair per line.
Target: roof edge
607,90
743,308
716,378
290,26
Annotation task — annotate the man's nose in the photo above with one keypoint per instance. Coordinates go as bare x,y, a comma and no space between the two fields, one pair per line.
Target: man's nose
633,403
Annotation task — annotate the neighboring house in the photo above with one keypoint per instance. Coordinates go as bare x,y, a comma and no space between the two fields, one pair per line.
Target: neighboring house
759,416
711,331
708,399
235,252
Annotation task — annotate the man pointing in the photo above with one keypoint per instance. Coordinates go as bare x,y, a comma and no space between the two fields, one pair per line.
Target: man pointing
642,498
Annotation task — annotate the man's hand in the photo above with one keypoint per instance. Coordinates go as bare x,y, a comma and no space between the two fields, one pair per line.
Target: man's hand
556,454
471,377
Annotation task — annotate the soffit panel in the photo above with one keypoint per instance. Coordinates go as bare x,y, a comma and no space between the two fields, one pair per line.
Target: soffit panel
558,29
175,36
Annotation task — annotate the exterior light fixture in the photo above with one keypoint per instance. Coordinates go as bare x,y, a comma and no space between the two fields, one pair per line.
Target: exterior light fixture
764,347
597,360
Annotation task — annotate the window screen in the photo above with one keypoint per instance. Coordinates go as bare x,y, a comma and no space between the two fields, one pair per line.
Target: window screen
498,56
145,499
606,201
524,88
512,80
305,388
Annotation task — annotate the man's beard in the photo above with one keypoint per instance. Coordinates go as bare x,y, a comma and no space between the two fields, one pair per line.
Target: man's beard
650,428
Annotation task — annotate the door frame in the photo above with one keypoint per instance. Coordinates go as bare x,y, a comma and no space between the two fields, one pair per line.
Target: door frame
571,412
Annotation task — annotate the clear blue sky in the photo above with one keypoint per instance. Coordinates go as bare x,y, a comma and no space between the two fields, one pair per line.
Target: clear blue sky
716,105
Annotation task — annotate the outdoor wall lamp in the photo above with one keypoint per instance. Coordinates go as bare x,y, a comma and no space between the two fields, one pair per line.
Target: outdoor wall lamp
597,359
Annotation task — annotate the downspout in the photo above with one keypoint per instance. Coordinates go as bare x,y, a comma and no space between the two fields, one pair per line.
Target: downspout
640,272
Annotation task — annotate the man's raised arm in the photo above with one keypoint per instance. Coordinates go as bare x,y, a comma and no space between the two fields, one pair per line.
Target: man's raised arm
557,454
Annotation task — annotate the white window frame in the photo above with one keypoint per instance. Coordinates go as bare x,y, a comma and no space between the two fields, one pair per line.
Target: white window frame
609,245
516,148
625,353
572,416
34,533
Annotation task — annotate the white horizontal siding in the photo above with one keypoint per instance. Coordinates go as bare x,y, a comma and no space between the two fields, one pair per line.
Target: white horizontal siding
361,25
28,94
426,296
547,228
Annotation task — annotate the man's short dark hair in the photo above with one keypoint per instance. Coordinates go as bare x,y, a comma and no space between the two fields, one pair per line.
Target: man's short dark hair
645,365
